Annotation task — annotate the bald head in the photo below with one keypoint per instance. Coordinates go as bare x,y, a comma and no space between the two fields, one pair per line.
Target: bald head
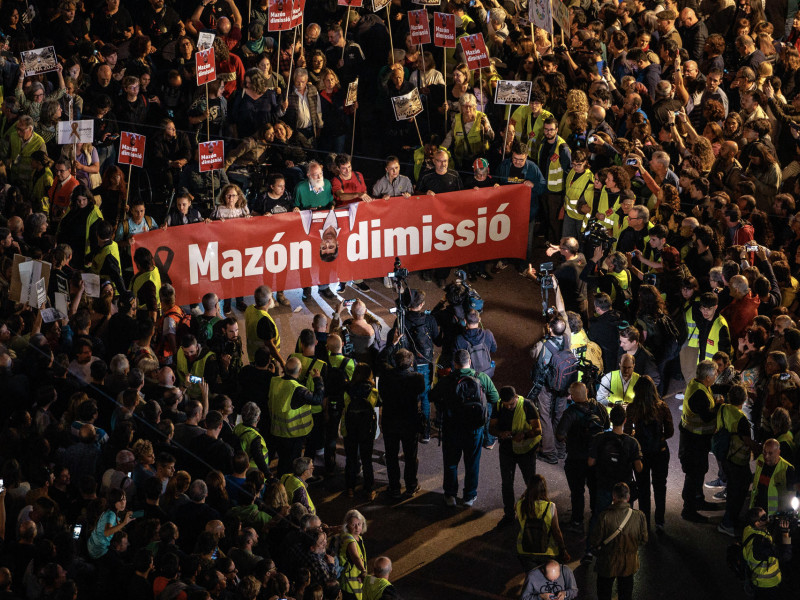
216,527
772,452
293,366
597,114
382,567
729,149
688,17
359,309
552,570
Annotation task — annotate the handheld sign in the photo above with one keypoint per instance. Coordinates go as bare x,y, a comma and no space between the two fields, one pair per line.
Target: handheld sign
212,155
39,60
407,106
427,2
75,132
511,91
475,51
351,3
205,40
352,93
285,14
444,30
418,27
541,14
206,66
561,16
380,4
131,149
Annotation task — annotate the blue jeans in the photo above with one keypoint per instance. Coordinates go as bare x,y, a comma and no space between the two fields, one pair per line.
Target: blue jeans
455,443
425,369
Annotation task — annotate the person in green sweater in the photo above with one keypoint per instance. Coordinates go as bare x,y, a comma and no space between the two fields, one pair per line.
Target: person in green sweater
314,192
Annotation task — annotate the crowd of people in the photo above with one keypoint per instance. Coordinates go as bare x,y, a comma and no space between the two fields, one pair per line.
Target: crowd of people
139,437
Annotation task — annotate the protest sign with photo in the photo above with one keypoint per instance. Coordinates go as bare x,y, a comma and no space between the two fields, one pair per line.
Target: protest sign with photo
407,106
25,273
541,15
351,3
561,16
284,251
205,40
75,132
285,14
418,27
475,52
352,93
206,66
511,91
212,155
131,149
427,2
380,4
444,30
39,60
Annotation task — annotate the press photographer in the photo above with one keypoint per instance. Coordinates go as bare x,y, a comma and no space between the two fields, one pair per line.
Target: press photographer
763,556
567,275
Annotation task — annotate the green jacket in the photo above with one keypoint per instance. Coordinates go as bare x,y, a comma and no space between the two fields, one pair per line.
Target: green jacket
250,516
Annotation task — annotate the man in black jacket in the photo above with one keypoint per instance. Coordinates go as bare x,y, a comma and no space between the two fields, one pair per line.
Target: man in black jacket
400,388
630,343
604,330
584,419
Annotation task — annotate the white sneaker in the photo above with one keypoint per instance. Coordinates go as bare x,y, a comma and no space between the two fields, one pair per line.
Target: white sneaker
450,500
679,396
471,501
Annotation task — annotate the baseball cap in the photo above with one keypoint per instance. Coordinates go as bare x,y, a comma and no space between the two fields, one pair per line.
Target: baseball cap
480,164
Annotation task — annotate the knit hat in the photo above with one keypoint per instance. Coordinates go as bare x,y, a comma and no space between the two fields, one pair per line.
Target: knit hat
480,164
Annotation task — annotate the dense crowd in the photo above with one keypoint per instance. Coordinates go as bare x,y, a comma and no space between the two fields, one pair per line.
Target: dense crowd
660,146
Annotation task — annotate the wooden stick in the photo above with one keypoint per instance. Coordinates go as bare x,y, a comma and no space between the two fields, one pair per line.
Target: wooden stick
346,23
505,137
302,35
353,140
446,104
389,25
277,67
208,118
418,133
291,62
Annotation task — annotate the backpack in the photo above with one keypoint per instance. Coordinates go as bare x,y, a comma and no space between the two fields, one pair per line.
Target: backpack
670,335
471,408
721,444
591,426
336,383
535,536
205,328
612,460
186,323
737,563
594,354
623,298
562,370
360,419
420,340
479,356
649,437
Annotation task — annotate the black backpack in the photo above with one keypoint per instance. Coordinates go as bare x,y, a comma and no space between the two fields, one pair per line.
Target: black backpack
612,460
360,420
737,563
562,370
623,298
471,408
420,341
479,355
336,383
591,426
535,536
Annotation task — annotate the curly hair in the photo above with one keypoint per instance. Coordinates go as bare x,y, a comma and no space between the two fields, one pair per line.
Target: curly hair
577,101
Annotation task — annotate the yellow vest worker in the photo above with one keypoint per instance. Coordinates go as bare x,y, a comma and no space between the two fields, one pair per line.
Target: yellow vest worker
763,573
718,339
252,317
621,394
529,128
309,363
770,481
577,186
203,359
469,144
292,483
140,279
246,435
555,174
692,422
285,421
535,538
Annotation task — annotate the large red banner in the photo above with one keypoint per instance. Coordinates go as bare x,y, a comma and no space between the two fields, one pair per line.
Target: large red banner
361,240
285,14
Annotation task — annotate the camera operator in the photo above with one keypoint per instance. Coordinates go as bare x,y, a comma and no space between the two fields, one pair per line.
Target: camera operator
550,404
774,481
762,555
604,330
610,275
420,335
572,288
227,345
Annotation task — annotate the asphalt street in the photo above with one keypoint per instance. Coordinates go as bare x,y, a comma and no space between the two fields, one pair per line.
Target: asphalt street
442,552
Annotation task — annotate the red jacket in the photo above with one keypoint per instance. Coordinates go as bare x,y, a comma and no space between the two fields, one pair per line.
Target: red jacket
739,314
744,233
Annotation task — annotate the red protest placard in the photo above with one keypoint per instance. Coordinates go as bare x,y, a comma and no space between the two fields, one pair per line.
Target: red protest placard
475,51
212,155
206,66
131,149
285,14
444,30
418,27
353,3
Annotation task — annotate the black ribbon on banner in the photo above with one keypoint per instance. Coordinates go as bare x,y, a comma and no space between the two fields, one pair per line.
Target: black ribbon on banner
163,266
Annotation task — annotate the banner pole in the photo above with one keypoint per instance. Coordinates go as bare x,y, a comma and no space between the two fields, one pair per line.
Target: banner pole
277,65
389,27
291,62
302,35
213,202
208,118
124,201
505,138
353,140
421,143
346,23
446,104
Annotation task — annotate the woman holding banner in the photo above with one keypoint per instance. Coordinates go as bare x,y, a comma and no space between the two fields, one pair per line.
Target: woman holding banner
471,132
231,204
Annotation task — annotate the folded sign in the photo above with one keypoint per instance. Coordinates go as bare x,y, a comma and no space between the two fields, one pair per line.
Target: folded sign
292,250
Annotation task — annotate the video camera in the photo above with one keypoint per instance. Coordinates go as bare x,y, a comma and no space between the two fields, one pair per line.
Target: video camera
591,373
789,515
473,300
596,236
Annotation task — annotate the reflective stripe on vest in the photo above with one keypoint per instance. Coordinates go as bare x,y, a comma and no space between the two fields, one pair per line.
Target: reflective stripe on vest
308,364
576,189
712,342
619,394
197,369
143,277
252,316
555,174
286,421
763,573
778,494
292,483
692,422
519,424
471,144
728,418
246,435
693,340
374,587
608,211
